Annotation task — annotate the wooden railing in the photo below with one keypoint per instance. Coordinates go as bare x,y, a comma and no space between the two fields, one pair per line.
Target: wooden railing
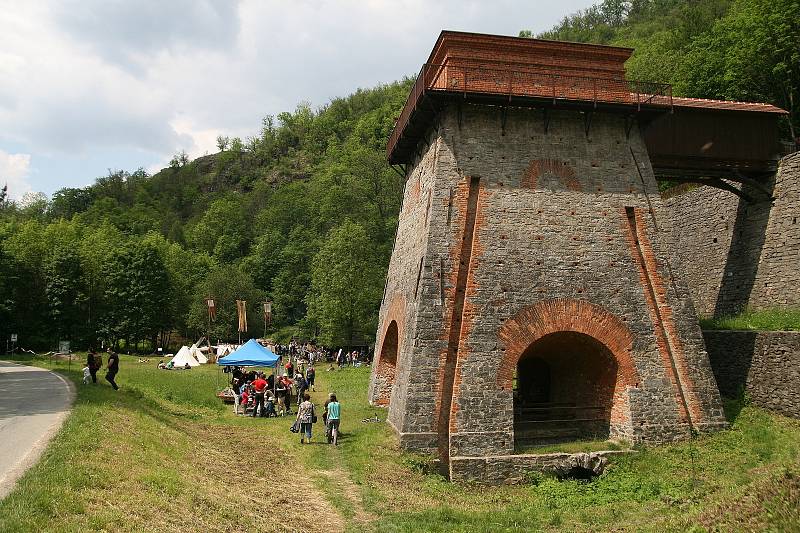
510,82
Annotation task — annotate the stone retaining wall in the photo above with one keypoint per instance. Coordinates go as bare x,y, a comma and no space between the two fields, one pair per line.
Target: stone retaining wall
736,254
765,363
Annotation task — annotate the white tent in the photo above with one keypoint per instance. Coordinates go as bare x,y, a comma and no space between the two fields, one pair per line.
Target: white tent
199,355
224,349
184,356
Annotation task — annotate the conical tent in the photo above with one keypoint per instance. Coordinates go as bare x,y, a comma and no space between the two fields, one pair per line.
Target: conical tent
184,356
250,354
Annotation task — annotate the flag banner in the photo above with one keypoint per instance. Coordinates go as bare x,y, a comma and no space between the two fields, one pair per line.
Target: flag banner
268,312
241,308
212,309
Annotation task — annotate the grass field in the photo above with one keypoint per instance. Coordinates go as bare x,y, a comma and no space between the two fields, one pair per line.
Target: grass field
163,454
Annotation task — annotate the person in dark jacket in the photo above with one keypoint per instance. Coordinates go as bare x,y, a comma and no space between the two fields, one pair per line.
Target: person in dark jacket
113,368
91,362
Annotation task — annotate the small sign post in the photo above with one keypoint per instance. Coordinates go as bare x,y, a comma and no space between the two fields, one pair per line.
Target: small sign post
63,347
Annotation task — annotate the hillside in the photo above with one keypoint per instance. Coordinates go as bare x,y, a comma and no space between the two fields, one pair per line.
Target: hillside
304,213
264,218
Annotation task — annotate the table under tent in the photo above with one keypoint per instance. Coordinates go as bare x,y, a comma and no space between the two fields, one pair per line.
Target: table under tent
250,354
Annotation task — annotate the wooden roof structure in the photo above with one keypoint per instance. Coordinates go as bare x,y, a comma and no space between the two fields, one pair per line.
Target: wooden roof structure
685,136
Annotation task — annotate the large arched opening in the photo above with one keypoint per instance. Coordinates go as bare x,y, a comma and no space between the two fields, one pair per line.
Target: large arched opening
387,365
564,390
567,366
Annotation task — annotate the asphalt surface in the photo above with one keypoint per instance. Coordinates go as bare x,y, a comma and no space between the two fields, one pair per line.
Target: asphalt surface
33,404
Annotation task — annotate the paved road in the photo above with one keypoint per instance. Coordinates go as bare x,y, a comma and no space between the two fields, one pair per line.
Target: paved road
33,404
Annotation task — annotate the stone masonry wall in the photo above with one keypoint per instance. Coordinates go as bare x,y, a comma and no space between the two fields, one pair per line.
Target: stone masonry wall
737,254
525,218
401,294
764,363
552,225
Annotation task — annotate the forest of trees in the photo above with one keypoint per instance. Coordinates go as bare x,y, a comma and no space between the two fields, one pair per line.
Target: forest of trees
304,213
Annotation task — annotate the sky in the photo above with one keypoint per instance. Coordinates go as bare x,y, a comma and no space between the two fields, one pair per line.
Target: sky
92,85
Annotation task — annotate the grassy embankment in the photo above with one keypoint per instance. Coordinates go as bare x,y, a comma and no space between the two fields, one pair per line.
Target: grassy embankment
163,455
769,320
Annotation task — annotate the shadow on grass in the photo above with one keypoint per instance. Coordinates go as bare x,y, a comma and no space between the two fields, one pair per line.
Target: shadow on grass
733,406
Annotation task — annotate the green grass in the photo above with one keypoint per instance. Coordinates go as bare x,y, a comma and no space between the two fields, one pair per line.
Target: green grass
575,447
163,454
770,320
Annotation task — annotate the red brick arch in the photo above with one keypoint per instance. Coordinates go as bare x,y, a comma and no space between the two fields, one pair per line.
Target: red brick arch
391,339
547,317
561,169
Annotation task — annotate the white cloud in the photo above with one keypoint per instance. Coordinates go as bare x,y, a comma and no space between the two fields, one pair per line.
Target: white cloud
93,78
14,171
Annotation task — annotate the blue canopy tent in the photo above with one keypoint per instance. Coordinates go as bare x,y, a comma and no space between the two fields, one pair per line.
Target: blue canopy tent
250,354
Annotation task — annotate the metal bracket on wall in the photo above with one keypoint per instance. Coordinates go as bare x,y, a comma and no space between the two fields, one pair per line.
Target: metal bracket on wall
401,172
546,120
744,180
449,205
587,122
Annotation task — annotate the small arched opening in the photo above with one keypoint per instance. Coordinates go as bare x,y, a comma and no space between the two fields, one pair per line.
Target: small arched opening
387,365
564,390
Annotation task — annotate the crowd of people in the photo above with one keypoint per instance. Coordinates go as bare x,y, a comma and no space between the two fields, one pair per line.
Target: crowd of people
287,391
311,354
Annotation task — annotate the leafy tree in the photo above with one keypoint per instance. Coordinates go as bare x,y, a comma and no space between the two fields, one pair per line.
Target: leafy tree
65,298
753,53
222,230
136,292
67,202
346,284
8,278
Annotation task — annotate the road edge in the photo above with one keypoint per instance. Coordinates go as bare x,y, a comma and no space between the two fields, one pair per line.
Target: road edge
9,480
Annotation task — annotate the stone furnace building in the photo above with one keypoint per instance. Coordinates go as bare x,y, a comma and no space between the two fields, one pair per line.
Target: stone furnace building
531,295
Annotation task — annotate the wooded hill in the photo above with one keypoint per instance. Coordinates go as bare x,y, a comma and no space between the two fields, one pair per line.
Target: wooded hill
304,213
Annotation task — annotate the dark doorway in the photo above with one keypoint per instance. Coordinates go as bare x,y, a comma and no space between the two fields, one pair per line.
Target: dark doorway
564,391
387,365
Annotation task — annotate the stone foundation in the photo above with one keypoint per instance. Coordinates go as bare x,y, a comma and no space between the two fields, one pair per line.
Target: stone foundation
514,469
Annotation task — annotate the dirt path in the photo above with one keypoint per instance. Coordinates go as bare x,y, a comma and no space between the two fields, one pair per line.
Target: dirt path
349,491
274,488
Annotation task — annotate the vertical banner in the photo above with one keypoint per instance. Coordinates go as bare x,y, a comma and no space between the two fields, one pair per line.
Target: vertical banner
212,309
267,313
241,308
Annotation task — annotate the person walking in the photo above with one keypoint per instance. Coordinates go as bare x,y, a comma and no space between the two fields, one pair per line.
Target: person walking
301,385
113,368
280,394
311,373
333,410
91,362
306,416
